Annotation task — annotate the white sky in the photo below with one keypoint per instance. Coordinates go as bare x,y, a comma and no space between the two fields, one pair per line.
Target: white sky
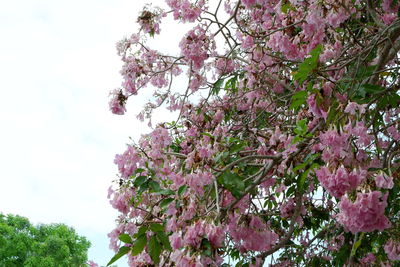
58,139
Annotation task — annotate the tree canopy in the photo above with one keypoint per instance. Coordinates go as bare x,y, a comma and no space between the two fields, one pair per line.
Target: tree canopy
285,144
44,245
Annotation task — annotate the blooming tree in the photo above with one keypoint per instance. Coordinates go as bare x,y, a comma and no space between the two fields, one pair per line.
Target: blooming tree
285,149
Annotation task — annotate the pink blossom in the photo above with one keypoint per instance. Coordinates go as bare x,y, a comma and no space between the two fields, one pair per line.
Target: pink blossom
121,201
185,10
335,145
117,102
336,18
176,240
150,20
336,243
392,249
340,181
389,6
92,264
248,42
316,109
127,162
280,42
352,107
366,214
224,66
394,133
172,225
194,234
249,3
215,234
384,181
194,47
388,18
255,237
368,259
197,181
361,132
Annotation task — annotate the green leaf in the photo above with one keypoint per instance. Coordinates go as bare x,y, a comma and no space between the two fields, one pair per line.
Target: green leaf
230,85
302,179
217,86
206,247
298,99
166,192
154,249
182,189
155,187
309,65
125,238
232,182
290,191
165,202
139,245
121,252
300,166
139,181
164,240
287,7
142,230
144,186
155,227
237,147
308,160
301,127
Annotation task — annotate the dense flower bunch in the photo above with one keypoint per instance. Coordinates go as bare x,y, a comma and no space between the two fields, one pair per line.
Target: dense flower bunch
366,214
285,144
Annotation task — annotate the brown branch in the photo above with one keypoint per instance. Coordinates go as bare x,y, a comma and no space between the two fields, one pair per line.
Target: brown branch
286,238
388,51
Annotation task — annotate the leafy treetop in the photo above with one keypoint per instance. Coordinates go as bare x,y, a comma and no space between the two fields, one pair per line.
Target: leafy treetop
23,244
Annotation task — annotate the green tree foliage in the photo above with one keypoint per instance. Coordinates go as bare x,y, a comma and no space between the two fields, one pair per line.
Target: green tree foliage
44,245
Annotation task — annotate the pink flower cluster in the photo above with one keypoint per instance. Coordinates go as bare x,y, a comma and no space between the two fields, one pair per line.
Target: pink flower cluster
185,10
224,66
339,182
316,109
368,259
194,47
195,233
384,181
127,162
280,42
197,181
352,107
366,214
149,21
92,264
335,145
392,249
117,102
360,131
254,235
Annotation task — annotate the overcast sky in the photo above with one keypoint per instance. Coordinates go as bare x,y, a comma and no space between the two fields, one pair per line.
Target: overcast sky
58,139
